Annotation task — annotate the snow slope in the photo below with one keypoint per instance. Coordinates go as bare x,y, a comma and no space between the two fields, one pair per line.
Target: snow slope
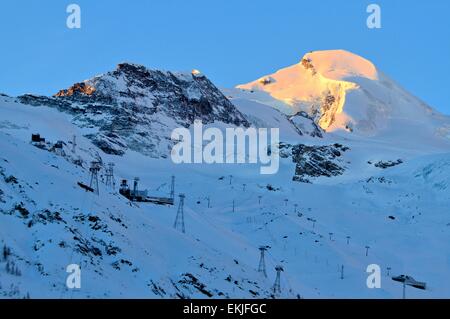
125,250
132,249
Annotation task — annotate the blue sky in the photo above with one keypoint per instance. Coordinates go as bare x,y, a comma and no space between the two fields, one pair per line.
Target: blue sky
231,41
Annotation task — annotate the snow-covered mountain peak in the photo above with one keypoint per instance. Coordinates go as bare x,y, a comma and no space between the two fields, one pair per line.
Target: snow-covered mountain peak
342,92
130,77
316,73
340,65
136,108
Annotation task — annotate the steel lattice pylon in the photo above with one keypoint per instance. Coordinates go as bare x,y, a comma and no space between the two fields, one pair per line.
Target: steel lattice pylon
94,169
277,284
262,261
179,220
110,182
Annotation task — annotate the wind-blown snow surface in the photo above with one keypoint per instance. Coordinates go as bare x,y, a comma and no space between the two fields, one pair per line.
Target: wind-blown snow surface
132,250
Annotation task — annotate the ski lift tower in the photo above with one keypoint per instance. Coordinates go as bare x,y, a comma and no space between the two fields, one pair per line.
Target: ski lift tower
262,261
94,169
179,220
110,176
277,284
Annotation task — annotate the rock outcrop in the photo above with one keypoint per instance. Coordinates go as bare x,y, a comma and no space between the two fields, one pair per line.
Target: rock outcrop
315,161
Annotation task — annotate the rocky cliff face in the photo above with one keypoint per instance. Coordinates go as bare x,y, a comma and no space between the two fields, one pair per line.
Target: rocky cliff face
313,161
136,108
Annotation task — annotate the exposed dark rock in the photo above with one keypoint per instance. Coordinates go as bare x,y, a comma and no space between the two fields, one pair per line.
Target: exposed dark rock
307,64
314,161
44,217
156,289
24,213
271,188
190,280
381,180
11,180
116,265
77,88
386,164
267,80
84,247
